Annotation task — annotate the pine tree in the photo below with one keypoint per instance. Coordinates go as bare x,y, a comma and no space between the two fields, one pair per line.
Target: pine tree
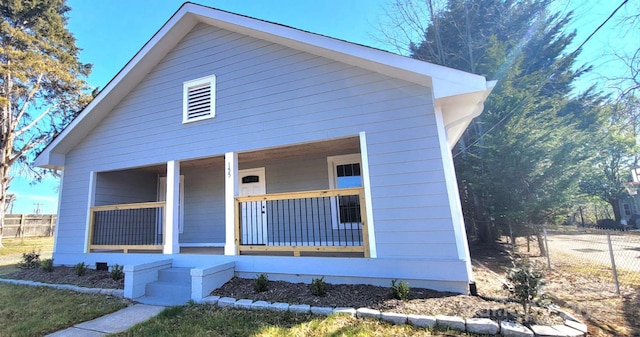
518,164
42,83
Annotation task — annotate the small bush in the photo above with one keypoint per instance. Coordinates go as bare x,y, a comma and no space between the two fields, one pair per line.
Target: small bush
30,260
116,272
319,287
80,268
525,284
47,265
261,282
400,290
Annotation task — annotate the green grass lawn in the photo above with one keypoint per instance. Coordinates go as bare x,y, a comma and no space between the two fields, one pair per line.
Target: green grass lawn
207,320
14,247
36,311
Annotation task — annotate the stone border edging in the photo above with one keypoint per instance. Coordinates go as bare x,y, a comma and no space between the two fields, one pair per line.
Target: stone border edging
572,327
110,292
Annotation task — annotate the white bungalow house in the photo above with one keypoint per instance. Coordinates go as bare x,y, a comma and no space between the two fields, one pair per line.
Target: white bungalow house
234,146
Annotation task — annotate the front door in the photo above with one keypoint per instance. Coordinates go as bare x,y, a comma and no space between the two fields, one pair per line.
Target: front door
254,214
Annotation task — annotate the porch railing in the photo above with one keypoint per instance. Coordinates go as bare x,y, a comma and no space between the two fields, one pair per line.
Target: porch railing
126,227
324,221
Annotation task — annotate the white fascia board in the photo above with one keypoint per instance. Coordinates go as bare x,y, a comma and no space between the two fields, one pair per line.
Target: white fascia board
443,81
50,160
458,111
450,81
132,73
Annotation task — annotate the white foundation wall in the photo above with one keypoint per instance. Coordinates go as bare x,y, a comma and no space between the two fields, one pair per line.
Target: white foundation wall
440,275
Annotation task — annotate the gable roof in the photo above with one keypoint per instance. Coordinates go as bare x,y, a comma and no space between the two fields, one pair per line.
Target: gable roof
466,91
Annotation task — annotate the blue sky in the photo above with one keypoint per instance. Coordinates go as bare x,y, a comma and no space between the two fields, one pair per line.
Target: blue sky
110,32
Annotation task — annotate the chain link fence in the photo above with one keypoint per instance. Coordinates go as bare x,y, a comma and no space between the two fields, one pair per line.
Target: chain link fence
612,257
606,255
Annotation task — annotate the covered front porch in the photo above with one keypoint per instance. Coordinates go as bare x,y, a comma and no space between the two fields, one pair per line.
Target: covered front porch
303,200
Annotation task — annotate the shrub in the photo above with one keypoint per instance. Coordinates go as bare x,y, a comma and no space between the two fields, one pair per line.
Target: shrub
525,284
80,268
400,290
47,265
30,260
318,286
261,282
116,272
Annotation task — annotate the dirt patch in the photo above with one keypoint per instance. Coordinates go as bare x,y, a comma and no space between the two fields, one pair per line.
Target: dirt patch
67,275
586,289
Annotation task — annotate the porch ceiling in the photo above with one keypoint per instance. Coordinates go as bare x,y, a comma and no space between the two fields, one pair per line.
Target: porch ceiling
329,147
333,147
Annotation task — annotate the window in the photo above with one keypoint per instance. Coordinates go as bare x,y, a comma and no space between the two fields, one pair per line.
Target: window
345,172
199,99
627,209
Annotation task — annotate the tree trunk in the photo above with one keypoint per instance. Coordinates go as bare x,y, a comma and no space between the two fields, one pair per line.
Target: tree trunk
540,238
4,186
615,204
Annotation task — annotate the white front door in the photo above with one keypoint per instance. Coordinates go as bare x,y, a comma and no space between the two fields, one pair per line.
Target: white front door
254,214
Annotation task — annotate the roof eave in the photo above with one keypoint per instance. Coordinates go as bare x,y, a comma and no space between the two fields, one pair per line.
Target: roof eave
445,82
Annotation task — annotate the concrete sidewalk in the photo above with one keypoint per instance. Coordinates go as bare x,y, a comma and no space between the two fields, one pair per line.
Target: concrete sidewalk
112,323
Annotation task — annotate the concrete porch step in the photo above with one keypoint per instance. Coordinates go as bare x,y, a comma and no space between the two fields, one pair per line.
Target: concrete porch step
168,289
175,274
162,301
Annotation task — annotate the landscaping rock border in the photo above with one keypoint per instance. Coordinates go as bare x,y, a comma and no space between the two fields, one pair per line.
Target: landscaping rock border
110,292
572,327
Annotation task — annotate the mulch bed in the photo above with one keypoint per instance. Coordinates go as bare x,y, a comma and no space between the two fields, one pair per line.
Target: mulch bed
421,301
67,275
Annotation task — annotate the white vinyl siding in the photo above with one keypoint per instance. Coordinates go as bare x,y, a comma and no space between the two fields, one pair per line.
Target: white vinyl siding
199,101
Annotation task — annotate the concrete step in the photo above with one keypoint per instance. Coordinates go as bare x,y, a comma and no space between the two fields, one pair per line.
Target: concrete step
168,290
177,275
162,301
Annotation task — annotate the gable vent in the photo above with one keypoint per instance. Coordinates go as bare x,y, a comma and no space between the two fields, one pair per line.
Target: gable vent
199,99
199,102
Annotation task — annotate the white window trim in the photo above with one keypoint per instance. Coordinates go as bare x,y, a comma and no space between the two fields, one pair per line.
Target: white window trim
332,162
211,80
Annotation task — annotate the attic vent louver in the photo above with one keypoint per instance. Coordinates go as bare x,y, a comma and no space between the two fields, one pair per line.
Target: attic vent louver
199,99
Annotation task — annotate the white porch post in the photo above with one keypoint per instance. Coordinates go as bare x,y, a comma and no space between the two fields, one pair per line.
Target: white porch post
366,183
230,192
93,176
171,209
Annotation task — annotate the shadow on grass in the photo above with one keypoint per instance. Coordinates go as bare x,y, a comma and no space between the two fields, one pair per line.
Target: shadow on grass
631,308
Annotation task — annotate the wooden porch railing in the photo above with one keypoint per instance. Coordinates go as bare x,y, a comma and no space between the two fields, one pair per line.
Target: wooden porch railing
126,227
323,221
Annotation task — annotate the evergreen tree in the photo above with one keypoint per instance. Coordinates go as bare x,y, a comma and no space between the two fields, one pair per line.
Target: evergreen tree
518,164
615,153
41,81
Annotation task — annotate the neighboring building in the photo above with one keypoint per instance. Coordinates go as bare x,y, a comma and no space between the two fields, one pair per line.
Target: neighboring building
630,205
233,146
